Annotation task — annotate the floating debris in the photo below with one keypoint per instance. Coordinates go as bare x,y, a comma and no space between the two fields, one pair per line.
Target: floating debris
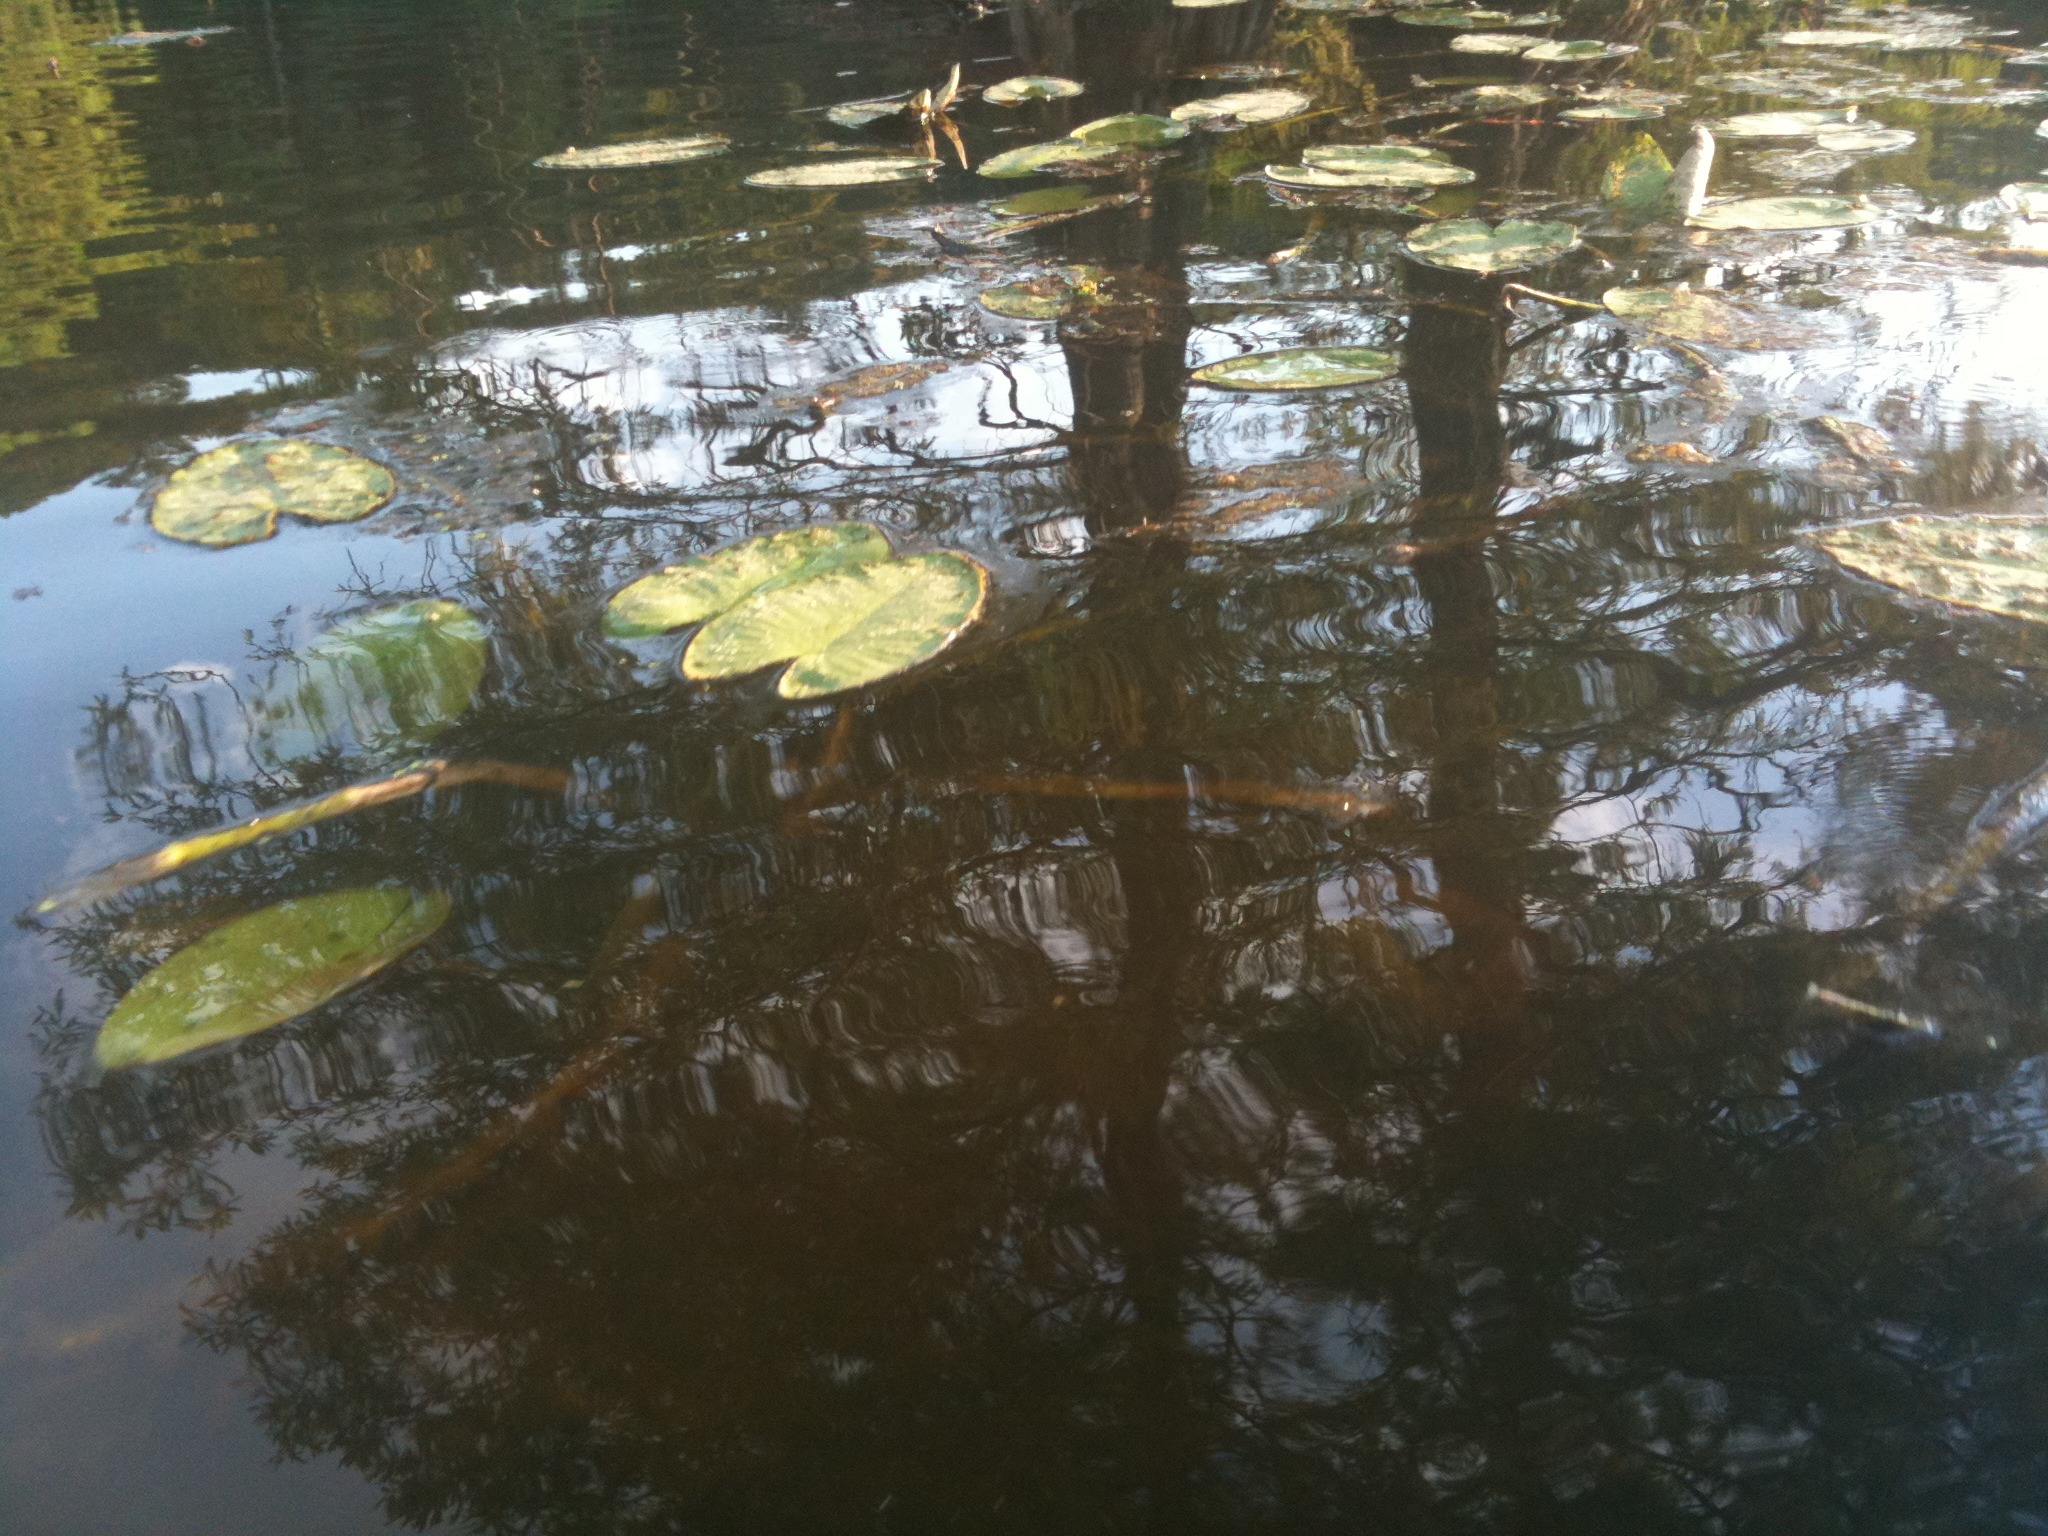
1864,444
1836,37
152,39
2007,823
1341,805
1842,1003
2028,199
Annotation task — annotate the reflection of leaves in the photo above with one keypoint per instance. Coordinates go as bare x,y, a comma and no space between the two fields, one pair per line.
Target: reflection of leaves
265,969
388,679
1637,178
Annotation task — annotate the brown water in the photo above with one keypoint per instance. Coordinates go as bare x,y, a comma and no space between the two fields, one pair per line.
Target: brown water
1298,1022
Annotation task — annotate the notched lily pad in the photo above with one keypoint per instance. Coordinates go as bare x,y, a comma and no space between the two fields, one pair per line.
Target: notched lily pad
1865,139
622,157
883,170
1131,130
1584,51
1991,564
391,678
1242,109
691,591
1022,88
1046,159
235,494
845,628
264,970
1787,214
1300,368
1472,245
1332,166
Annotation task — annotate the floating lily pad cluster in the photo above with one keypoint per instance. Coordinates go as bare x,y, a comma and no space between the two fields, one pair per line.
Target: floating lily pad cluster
1784,214
836,604
870,171
235,494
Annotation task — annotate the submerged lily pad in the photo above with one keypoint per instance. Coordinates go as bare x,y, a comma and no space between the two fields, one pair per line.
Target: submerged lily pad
1300,368
1638,177
1131,130
392,678
2028,199
234,494
1067,199
881,170
1472,245
1045,297
266,969
1610,112
1040,159
621,157
1023,88
1864,139
1242,109
850,626
1707,318
1585,51
1996,565
1491,43
1780,125
693,590
1784,214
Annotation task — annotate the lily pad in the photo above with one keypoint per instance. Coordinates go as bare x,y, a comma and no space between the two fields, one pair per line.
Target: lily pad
2028,199
1335,155
266,969
1022,88
1995,565
693,590
1865,139
1780,125
1452,16
1042,200
1831,37
1491,43
1300,368
1203,5
1784,214
863,114
234,494
393,678
845,628
1610,112
1491,98
1041,159
1584,51
1045,297
1702,317
882,170
1472,245
1638,177
1242,109
1131,130
1374,173
621,157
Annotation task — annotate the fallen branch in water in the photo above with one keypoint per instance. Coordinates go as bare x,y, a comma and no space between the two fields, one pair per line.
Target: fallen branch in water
1344,804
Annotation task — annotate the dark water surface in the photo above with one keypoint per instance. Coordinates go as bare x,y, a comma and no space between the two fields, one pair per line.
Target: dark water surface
1298,1023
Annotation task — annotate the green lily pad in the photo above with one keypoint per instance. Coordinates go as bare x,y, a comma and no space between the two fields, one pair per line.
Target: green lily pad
881,170
1337,172
266,969
693,590
863,114
1026,205
2028,199
1994,565
1047,296
845,628
1491,98
1362,155
623,157
234,494
1780,125
390,679
1472,245
1610,112
1585,51
1131,130
1242,109
1865,139
1452,16
1832,37
1705,318
1300,368
1320,178
1491,43
1022,88
1784,214
1041,159
1638,177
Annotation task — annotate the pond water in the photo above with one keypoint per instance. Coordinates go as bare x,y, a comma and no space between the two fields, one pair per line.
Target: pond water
1429,960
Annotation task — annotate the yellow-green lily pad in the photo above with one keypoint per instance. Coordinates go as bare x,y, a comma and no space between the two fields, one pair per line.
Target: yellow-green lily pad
1582,51
1046,159
264,970
1762,214
234,494
1780,125
1022,88
881,170
693,590
1993,565
1131,130
1242,109
845,628
1334,171
1491,43
1610,112
624,157
1300,368
1472,245
865,114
